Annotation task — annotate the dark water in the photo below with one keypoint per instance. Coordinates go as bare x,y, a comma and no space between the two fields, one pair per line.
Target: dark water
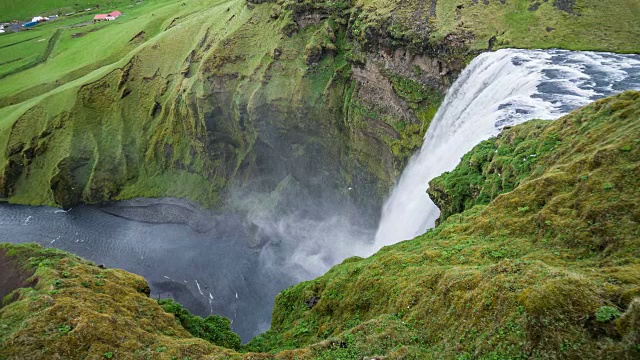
216,271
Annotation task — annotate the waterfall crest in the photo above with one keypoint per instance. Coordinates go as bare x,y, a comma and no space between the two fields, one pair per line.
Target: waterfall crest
497,89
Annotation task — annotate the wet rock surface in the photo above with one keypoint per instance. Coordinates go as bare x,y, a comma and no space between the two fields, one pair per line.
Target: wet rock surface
163,211
12,276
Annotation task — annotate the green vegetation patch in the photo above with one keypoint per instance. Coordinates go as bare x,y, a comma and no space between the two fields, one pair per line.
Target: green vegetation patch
496,166
528,151
214,328
424,102
573,25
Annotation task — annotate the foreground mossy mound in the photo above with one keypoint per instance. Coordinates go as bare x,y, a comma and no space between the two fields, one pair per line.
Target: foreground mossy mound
77,310
548,269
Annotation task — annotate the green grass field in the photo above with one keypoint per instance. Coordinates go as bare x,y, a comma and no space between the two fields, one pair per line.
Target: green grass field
83,49
595,24
21,50
11,10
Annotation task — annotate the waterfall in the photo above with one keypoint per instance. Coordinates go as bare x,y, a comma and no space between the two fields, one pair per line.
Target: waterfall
497,89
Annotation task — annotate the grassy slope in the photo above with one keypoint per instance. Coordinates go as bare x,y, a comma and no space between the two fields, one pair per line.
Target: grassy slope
215,63
587,25
529,275
253,44
557,280
76,57
496,166
583,25
85,48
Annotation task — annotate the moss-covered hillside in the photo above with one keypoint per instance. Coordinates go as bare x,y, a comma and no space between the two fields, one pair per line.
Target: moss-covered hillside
69,308
184,98
500,165
548,269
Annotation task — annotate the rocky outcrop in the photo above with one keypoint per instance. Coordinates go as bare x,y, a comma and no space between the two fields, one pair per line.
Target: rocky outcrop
13,278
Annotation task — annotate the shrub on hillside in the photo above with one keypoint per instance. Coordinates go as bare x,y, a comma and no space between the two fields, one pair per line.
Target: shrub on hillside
215,329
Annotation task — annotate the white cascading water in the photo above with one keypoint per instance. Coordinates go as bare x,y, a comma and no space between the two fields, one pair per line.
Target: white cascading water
497,89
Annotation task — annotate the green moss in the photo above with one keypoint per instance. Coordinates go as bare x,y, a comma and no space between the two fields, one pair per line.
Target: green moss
499,165
494,167
425,103
112,315
215,329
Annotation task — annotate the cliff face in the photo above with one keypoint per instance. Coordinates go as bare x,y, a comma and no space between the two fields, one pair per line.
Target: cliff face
230,93
544,265
192,97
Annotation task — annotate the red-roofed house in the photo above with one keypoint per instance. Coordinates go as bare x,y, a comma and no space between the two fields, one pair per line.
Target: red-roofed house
113,15
107,17
100,17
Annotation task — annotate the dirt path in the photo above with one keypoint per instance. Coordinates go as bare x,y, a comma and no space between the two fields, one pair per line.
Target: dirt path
12,276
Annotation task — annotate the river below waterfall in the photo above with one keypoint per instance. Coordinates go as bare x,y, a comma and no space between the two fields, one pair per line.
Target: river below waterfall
232,264
210,272
225,265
